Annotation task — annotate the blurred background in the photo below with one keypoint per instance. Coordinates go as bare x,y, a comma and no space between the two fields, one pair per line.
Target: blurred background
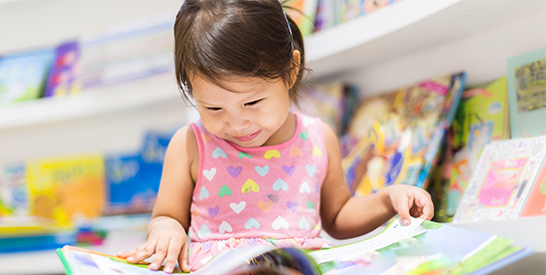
88,103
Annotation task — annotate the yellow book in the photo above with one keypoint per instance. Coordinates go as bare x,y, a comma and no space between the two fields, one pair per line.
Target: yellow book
66,188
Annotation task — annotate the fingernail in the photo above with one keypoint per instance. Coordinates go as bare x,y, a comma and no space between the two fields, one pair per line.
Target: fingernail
168,269
130,259
153,266
406,222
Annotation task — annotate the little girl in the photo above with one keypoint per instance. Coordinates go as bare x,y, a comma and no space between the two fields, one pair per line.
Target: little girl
251,172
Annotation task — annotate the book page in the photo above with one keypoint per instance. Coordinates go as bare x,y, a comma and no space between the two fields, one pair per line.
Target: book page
394,233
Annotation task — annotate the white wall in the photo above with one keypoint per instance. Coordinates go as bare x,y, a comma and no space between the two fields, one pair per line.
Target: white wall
483,56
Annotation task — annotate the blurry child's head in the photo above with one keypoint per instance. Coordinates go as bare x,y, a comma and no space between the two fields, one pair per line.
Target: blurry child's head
220,40
242,62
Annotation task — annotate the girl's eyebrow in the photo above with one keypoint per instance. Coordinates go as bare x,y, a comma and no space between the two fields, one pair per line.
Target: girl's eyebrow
203,103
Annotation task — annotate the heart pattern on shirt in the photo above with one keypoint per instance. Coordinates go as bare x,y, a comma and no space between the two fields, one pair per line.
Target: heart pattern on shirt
250,185
238,207
280,184
279,223
209,174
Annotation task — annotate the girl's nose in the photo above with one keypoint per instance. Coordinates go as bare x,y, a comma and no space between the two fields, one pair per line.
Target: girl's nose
238,122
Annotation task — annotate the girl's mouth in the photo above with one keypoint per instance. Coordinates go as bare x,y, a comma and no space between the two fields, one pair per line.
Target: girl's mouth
248,137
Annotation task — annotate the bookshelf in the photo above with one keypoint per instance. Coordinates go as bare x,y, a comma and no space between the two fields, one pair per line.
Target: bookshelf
400,44
365,42
91,102
420,24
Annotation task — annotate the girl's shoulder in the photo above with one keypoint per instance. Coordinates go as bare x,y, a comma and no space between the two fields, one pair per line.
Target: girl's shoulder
184,144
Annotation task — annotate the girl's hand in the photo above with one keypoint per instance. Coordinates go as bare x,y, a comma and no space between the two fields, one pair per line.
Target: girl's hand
409,201
168,241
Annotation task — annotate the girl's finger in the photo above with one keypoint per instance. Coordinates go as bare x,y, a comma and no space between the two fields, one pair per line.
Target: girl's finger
427,207
172,254
160,253
183,258
402,208
143,252
130,253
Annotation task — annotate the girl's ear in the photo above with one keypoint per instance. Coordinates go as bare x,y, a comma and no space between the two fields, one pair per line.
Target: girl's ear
295,67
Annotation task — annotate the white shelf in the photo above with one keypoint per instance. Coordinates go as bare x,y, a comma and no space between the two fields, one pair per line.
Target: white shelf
389,33
406,27
134,94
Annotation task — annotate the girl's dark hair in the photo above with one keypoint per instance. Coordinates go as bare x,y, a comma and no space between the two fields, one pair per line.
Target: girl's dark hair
219,38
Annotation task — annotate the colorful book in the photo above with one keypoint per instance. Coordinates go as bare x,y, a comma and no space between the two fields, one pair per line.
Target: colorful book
403,142
13,191
423,247
66,189
22,75
527,93
506,173
63,76
131,184
333,103
303,13
482,116
19,234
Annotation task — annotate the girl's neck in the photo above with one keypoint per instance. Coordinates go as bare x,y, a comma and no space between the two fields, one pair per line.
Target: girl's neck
285,133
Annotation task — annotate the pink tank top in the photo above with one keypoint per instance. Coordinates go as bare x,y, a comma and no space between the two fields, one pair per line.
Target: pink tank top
263,195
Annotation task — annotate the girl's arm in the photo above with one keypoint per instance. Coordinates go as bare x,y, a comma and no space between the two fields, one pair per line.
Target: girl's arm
166,236
344,216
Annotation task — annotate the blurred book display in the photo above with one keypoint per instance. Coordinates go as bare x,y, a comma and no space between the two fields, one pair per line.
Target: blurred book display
527,93
333,103
126,52
19,234
117,54
405,135
482,116
506,174
66,188
132,180
423,247
50,202
23,74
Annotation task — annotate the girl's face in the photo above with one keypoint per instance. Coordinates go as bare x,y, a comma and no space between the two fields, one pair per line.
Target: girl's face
252,113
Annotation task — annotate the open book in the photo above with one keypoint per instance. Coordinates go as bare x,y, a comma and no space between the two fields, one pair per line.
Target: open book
421,247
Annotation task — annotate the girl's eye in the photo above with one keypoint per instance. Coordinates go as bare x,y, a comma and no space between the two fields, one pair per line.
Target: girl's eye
214,108
253,102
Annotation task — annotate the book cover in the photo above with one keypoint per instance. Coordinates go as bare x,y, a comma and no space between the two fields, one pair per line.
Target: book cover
64,73
22,75
403,143
66,188
13,191
502,180
527,93
131,184
480,118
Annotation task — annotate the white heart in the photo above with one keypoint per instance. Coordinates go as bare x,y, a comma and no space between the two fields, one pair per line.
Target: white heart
308,121
204,231
280,222
238,207
225,227
305,188
209,174
304,224
204,193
